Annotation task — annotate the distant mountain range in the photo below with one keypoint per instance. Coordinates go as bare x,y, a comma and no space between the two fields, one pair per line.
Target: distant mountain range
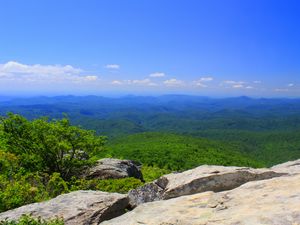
267,129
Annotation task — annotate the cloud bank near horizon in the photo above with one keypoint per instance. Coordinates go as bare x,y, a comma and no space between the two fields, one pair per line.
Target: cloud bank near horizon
37,77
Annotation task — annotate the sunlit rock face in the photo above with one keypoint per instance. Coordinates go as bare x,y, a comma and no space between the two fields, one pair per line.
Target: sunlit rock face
79,207
208,195
201,179
274,201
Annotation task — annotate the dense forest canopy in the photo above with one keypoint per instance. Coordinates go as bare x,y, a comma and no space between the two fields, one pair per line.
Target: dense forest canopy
267,129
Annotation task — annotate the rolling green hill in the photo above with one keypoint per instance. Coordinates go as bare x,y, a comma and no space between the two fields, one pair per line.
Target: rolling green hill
270,147
266,129
176,152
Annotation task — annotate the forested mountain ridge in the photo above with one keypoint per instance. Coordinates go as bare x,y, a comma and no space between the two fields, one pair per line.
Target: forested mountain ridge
266,129
159,113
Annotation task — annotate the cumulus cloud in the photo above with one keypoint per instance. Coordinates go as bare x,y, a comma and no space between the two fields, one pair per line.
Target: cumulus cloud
90,78
143,82
116,82
157,74
173,82
233,82
291,85
112,66
257,82
202,80
13,67
238,86
199,84
206,79
15,71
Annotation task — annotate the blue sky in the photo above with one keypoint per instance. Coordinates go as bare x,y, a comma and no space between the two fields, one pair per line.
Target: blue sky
214,48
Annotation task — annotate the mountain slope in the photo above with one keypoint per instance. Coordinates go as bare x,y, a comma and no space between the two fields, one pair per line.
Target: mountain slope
176,152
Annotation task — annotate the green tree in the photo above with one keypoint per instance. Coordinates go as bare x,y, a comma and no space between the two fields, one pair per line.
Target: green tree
49,146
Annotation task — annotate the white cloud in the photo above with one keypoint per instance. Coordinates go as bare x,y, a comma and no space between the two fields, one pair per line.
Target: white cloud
13,67
206,79
112,66
291,85
199,84
143,82
233,82
157,74
202,80
152,84
257,82
173,82
237,86
146,81
15,71
116,82
90,78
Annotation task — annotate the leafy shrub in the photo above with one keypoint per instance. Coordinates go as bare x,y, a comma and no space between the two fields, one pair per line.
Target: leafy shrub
25,188
151,173
119,185
9,163
27,220
49,146
122,185
56,185
21,189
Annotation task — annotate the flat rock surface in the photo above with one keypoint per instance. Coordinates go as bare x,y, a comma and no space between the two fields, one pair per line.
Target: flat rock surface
268,202
291,167
201,179
79,207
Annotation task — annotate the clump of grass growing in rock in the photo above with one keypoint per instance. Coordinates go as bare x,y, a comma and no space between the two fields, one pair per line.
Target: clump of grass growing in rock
28,220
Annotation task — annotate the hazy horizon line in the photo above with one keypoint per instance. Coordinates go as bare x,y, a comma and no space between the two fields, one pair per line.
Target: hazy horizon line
124,95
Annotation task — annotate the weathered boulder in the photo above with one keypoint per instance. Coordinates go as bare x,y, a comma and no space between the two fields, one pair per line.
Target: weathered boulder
115,168
274,201
79,207
201,179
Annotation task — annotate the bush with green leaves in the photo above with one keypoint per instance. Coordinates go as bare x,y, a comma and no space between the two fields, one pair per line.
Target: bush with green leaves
151,173
49,146
122,185
24,188
9,163
28,220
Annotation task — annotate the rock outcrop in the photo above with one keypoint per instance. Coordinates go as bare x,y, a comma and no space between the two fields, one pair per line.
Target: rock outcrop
269,202
200,179
291,167
206,195
115,169
79,207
